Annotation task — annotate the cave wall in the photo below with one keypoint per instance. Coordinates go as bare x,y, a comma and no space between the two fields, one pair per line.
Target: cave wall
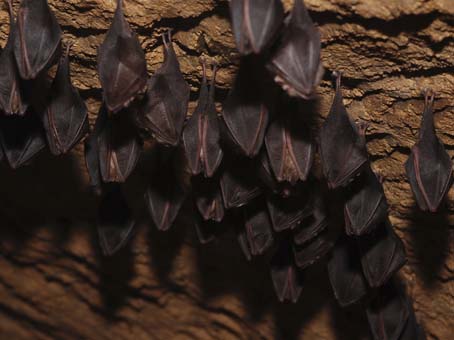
55,284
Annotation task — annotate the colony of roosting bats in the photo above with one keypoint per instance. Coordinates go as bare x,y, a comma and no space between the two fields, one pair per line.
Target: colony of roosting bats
254,161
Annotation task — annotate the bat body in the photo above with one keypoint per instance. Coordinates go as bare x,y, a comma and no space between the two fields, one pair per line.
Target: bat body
365,207
382,254
287,279
121,64
12,100
296,61
342,149
38,40
429,167
201,133
22,138
255,23
287,213
247,108
119,147
66,116
345,272
166,104
115,222
290,150
208,198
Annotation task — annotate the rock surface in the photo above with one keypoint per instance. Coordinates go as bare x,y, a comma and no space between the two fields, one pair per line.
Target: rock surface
54,284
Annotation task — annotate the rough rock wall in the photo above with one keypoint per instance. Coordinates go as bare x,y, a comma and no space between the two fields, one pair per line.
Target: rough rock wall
54,284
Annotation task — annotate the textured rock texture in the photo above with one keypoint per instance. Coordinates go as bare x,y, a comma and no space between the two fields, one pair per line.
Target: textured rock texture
54,284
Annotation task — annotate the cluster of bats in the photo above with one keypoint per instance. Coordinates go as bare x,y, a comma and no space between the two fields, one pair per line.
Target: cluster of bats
253,162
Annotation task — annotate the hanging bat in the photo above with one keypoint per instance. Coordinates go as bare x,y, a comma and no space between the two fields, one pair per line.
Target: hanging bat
391,315
296,61
429,167
66,117
257,235
22,138
290,150
239,184
38,40
205,230
115,223
365,207
247,107
122,66
91,151
313,250
255,23
166,103
287,278
12,101
287,213
345,273
313,224
382,254
342,149
208,198
119,147
201,133
165,193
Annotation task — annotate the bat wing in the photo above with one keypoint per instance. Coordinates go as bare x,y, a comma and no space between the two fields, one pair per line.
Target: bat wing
366,206
205,231
287,213
22,138
287,279
121,64
296,61
38,39
382,254
342,149
115,223
66,117
258,229
119,148
12,101
345,273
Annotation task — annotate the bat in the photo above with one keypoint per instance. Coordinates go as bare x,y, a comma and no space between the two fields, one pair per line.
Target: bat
115,222
290,150
365,206
166,101
205,230
247,108
287,213
119,147
287,279
429,167
382,254
201,133
267,178
165,194
122,66
255,23
313,250
239,184
257,235
314,223
12,101
22,138
91,150
391,315
342,148
38,40
208,198
345,272
66,117
295,62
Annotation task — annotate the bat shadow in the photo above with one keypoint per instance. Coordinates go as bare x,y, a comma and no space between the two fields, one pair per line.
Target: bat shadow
430,241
